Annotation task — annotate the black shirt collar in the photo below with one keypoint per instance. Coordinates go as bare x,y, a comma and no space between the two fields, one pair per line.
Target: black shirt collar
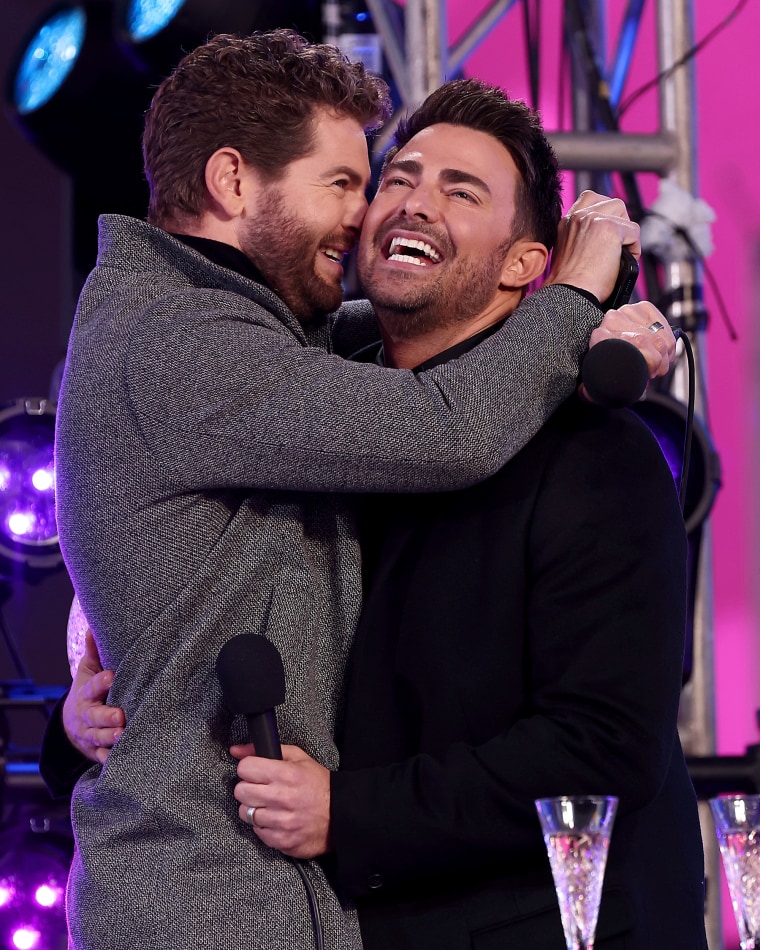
225,255
374,352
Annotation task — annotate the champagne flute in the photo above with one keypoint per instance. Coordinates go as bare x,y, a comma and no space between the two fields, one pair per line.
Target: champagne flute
577,833
737,826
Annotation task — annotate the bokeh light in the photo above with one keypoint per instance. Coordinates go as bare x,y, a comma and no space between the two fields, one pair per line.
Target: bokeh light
26,938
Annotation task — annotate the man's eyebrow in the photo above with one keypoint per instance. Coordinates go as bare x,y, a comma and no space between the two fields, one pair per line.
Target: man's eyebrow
454,176
451,176
407,165
351,173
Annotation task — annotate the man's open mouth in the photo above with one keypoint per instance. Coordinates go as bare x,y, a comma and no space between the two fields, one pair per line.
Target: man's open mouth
412,251
334,253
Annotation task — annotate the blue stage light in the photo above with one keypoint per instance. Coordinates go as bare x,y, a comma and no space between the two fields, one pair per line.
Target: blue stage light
155,34
49,58
146,18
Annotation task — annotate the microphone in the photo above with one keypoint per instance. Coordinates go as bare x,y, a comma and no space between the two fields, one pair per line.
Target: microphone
249,669
614,373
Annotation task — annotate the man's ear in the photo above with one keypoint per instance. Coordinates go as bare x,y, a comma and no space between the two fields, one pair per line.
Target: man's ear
525,262
228,181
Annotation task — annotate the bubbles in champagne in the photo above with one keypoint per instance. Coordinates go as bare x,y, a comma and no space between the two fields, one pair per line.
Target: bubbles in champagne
578,861
741,859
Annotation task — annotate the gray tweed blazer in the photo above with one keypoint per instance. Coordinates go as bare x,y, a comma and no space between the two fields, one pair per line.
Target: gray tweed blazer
203,439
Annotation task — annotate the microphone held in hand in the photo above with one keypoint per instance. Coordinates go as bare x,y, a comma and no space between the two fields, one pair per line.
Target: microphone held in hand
250,672
614,373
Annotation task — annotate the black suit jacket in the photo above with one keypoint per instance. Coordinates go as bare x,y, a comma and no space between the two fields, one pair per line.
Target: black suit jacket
523,638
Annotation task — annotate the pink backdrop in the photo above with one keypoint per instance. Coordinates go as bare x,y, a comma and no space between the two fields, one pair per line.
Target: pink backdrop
728,144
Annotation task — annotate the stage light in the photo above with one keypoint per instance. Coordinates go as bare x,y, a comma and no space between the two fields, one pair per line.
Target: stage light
26,938
33,871
71,90
666,419
48,59
145,18
28,529
155,34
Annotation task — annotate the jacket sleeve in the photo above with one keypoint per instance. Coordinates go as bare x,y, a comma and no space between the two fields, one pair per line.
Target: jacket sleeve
223,400
604,634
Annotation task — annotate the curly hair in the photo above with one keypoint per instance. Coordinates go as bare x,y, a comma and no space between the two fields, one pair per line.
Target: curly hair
257,94
477,105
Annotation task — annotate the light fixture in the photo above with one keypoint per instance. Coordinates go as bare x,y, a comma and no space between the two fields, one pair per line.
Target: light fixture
157,33
73,92
34,866
28,530
48,59
666,418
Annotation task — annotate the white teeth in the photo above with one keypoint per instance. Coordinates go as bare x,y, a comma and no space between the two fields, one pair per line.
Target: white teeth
427,250
333,254
406,259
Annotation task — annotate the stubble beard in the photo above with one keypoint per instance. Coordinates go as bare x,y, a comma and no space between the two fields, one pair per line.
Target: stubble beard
408,309
284,248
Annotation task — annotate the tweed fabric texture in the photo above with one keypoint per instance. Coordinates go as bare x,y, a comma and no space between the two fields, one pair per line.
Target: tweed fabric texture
198,429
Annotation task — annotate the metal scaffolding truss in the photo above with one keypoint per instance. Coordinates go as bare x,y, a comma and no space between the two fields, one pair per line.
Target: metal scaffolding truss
419,60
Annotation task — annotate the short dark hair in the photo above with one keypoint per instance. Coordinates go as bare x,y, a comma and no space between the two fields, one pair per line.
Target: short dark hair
257,94
477,105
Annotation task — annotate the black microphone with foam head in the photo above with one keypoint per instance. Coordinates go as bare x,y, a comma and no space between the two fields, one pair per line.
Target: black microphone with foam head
614,373
250,672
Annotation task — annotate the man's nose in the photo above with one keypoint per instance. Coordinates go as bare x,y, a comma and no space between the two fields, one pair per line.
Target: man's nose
422,202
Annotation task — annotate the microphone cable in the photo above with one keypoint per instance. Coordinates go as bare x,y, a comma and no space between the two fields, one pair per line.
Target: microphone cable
311,899
688,435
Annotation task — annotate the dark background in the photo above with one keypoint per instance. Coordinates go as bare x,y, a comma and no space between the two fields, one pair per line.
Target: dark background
39,294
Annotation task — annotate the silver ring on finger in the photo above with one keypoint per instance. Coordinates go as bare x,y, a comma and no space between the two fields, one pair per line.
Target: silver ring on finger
249,813
656,326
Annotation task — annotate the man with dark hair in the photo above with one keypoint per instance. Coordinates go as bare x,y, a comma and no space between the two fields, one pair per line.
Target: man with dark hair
205,413
519,639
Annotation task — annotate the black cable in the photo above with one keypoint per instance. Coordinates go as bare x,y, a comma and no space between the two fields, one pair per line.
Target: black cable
311,897
689,419
608,118
531,22
689,54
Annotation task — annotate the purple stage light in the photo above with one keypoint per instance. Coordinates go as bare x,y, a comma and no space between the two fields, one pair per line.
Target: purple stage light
26,938
48,895
43,479
35,856
21,524
32,519
28,530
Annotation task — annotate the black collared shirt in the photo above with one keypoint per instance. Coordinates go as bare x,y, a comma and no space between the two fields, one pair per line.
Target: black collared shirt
374,352
225,255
